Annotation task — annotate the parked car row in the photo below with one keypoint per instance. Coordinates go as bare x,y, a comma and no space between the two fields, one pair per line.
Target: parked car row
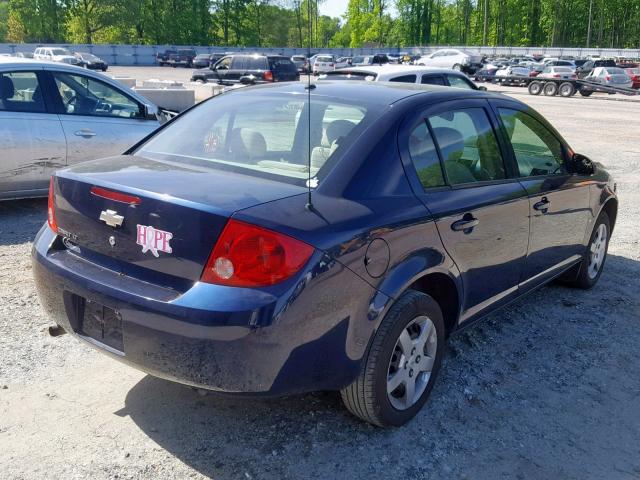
64,55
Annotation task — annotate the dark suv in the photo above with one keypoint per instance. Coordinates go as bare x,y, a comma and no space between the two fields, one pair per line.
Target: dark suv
589,65
163,57
249,69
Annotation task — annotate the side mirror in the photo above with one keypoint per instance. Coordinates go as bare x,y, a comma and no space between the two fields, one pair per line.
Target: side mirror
582,165
482,88
150,112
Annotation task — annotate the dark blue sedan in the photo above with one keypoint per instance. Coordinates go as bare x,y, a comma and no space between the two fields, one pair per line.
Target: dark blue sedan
276,240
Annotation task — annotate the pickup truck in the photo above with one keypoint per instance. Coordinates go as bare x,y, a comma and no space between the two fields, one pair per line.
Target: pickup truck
183,57
163,58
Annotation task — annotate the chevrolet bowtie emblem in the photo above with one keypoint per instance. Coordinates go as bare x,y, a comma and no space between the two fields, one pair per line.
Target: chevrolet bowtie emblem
111,218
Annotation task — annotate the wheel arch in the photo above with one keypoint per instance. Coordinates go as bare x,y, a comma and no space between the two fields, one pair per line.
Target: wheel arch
610,207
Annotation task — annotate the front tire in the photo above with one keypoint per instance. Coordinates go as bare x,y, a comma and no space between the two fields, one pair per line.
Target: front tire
402,364
590,268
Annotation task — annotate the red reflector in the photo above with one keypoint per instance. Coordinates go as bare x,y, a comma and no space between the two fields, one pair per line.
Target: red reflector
268,76
51,208
249,256
115,196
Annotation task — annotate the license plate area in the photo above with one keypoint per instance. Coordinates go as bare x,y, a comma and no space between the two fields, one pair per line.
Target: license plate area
95,321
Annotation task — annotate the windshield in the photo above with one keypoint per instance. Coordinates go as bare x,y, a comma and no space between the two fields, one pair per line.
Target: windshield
60,51
263,135
88,56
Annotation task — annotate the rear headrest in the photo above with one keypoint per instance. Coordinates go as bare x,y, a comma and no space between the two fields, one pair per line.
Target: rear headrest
6,88
451,143
247,143
338,129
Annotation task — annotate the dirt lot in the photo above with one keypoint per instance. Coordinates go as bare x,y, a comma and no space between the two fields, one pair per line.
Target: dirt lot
546,389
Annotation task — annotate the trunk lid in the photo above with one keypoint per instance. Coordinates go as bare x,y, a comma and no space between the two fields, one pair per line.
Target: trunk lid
170,218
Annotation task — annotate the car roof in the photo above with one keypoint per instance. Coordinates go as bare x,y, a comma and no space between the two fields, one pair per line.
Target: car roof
391,69
376,93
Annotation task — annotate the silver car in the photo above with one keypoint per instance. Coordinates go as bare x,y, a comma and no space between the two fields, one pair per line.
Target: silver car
54,115
610,76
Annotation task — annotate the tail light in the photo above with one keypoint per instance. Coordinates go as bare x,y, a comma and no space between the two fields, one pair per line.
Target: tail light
331,64
51,208
608,78
249,256
268,76
556,75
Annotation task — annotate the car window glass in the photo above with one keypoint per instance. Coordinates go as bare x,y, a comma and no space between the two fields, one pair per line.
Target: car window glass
425,157
20,92
223,64
457,82
255,63
238,63
404,79
468,146
264,136
82,95
537,150
432,80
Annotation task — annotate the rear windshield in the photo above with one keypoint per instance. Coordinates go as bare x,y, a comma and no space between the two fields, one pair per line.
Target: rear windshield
615,71
264,135
563,69
324,58
60,51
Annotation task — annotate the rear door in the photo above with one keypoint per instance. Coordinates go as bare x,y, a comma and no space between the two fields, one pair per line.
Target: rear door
559,208
32,141
237,69
480,210
99,120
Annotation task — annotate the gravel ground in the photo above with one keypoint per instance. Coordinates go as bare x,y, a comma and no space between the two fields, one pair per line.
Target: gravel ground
545,389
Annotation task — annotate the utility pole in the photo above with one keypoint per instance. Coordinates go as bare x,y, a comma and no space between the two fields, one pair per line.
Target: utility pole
485,27
589,27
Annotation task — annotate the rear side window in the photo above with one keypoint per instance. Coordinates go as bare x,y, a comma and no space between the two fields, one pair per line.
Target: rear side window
432,80
404,79
537,150
255,63
425,157
238,63
20,92
468,146
457,82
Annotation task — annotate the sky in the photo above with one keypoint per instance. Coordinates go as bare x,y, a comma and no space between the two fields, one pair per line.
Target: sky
334,8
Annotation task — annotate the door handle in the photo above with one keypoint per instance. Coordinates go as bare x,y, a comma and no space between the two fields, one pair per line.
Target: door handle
465,224
542,205
85,132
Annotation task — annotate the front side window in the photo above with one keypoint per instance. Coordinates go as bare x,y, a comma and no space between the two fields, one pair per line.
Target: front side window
468,146
82,95
537,150
224,64
424,156
404,79
20,92
458,82
263,135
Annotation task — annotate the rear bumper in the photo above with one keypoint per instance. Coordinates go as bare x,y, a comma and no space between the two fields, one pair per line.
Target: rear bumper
309,336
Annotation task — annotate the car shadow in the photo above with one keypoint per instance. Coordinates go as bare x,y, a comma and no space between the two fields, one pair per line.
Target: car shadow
517,377
20,220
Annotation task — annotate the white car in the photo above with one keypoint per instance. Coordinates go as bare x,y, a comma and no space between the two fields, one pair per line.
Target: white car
53,115
462,60
565,73
404,74
324,63
56,54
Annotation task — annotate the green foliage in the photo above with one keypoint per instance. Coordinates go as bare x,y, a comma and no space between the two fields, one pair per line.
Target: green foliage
297,23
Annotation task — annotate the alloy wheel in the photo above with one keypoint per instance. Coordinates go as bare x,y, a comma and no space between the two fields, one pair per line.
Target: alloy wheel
597,251
411,363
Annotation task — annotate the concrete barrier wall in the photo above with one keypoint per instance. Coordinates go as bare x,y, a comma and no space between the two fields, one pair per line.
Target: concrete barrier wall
146,54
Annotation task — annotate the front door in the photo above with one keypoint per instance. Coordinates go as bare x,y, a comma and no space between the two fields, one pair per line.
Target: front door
98,119
480,211
559,201
31,138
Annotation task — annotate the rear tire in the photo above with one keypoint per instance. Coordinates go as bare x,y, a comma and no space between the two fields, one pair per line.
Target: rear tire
590,268
535,88
401,366
550,89
585,93
567,89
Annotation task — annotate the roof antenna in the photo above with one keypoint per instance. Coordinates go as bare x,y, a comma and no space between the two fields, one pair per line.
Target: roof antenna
309,87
